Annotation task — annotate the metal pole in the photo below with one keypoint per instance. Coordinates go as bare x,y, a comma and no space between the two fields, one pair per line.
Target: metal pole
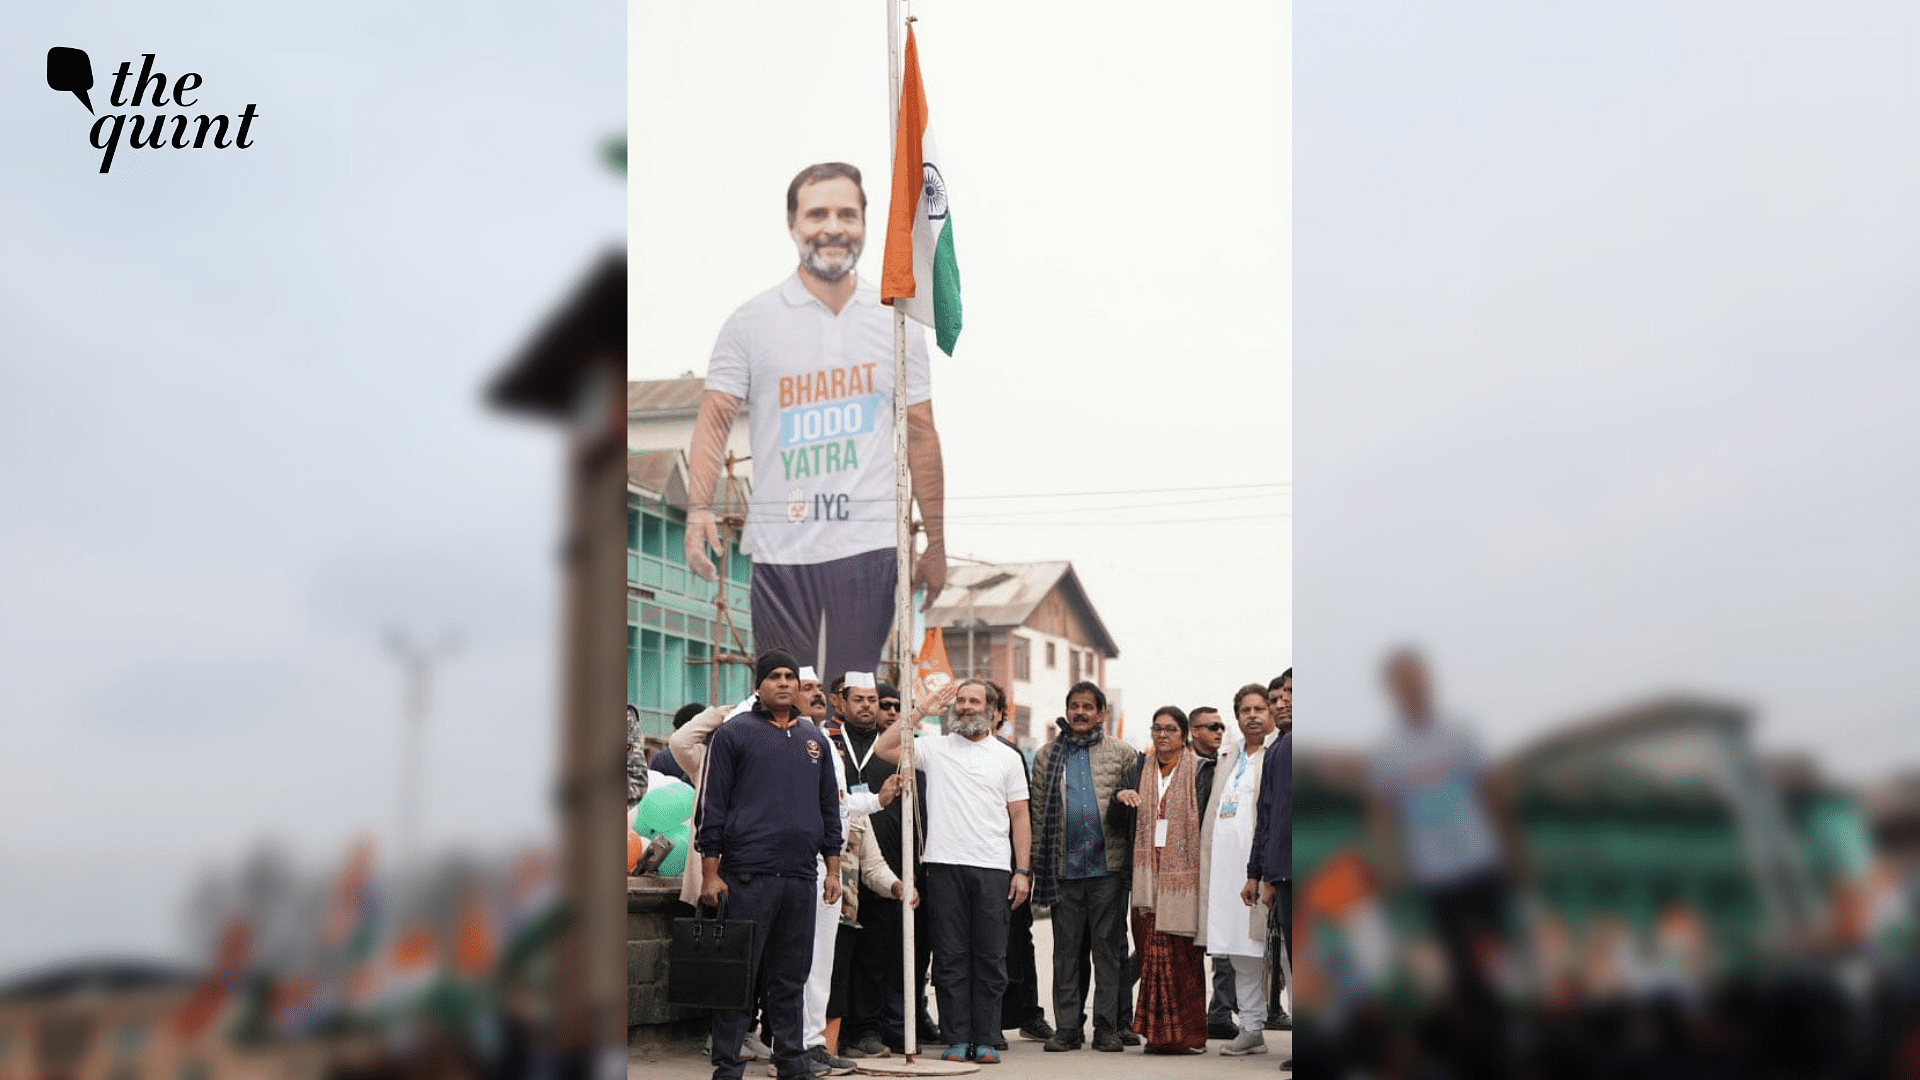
416,664
903,589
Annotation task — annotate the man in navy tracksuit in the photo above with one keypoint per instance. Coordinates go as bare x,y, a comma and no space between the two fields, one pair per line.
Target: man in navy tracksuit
769,805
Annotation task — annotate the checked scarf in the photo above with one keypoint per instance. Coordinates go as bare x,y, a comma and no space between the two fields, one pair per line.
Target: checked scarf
1050,832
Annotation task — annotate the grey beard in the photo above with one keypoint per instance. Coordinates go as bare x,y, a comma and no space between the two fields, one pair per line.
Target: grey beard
971,726
810,259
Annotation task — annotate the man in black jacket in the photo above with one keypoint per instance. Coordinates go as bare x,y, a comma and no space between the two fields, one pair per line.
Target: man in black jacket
1208,731
769,807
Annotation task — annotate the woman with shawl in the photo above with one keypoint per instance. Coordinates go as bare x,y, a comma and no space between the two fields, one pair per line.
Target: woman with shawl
1172,1012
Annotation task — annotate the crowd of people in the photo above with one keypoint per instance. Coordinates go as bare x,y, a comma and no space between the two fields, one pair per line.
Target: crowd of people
1150,866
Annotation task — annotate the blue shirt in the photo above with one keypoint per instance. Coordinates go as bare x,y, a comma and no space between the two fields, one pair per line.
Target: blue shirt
665,764
1086,843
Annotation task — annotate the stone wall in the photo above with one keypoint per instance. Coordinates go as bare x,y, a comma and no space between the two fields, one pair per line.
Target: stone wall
652,905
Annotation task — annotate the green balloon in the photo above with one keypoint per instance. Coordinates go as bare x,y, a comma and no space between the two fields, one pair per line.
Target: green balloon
664,812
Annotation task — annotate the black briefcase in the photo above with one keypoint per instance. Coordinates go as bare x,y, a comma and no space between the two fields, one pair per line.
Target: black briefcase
710,962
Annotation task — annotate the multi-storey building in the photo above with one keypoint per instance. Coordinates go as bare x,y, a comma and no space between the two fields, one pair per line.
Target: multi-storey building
675,628
1031,628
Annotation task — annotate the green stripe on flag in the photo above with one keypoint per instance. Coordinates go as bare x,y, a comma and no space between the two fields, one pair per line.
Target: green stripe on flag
946,290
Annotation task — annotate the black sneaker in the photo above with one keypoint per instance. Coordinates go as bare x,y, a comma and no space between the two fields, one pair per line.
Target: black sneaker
1223,1030
868,1046
1279,1021
825,1064
1107,1042
1037,1029
1064,1040
1128,1038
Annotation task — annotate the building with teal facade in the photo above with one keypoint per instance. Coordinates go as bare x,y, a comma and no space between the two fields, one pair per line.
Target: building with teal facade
675,627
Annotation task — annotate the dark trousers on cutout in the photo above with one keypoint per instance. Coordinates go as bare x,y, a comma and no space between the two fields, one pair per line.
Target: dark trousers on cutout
851,597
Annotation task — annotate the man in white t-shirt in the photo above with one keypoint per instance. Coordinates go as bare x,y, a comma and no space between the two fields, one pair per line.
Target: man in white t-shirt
812,360
976,819
1441,822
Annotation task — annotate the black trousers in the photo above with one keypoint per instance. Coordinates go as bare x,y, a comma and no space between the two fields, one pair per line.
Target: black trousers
1089,920
1226,1000
852,597
876,971
876,962
781,909
1021,1004
840,989
1461,912
968,917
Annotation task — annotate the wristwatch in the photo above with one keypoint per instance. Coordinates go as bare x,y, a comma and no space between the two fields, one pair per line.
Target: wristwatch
1023,871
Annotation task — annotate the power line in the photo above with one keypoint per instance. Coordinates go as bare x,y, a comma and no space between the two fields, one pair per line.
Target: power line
1128,524
888,499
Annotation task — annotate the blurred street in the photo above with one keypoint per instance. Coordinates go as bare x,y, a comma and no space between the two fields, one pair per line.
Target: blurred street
1023,1059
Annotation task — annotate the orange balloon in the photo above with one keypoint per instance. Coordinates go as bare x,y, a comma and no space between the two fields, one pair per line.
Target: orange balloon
636,847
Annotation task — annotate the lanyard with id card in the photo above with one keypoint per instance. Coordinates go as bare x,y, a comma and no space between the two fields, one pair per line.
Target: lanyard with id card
1230,799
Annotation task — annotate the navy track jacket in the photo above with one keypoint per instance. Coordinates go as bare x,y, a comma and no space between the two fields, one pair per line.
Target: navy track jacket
772,802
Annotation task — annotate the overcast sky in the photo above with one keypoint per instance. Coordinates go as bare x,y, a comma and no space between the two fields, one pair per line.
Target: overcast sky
1120,187
1606,382
241,434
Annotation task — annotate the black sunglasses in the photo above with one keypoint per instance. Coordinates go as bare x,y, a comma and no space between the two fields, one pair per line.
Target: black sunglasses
890,705
1211,727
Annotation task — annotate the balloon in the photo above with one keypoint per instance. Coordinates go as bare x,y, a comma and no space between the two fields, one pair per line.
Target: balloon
636,847
664,812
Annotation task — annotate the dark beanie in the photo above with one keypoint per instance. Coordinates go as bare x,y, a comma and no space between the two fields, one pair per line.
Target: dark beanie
886,690
771,661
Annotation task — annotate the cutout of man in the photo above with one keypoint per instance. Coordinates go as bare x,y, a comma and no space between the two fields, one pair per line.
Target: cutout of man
812,360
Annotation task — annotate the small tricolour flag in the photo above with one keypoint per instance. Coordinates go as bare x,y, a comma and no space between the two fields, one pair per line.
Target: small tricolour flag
920,275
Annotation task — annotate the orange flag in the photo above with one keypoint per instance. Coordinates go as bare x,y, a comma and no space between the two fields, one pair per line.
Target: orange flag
933,674
200,1009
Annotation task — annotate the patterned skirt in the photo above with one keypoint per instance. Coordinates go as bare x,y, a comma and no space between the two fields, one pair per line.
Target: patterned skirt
1172,1012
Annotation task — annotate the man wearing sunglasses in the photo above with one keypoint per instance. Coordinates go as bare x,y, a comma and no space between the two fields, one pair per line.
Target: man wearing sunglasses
1208,731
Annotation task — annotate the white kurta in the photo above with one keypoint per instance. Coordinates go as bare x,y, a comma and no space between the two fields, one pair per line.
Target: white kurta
1227,922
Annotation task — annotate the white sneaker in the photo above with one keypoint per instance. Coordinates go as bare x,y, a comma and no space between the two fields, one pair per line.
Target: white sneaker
1247,1042
751,1047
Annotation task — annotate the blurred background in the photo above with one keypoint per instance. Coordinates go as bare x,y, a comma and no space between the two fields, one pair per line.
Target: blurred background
1605,336
249,471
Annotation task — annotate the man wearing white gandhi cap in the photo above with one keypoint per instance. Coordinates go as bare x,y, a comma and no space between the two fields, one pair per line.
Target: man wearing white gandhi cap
857,801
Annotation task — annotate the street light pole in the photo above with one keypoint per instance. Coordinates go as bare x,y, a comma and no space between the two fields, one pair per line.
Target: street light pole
416,665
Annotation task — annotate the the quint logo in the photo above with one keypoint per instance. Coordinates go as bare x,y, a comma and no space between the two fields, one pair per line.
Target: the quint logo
70,70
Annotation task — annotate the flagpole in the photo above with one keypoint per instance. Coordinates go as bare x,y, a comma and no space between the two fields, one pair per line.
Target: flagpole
903,593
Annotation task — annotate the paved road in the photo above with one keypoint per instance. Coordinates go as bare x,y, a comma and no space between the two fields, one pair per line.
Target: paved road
1025,1060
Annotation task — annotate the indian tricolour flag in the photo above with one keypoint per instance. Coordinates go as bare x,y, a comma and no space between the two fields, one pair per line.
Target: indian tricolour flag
920,275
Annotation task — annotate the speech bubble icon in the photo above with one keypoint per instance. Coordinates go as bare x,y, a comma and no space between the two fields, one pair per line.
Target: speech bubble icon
70,69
